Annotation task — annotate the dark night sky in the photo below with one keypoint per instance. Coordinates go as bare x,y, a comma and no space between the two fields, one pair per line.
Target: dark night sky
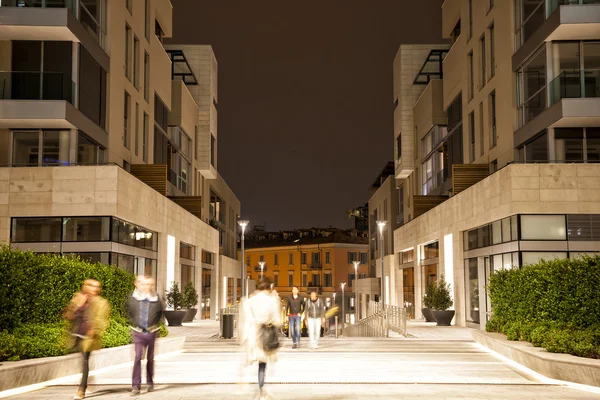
305,98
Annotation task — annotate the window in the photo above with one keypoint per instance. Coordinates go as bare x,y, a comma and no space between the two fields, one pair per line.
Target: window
146,76
137,128
328,281
327,258
92,15
132,235
543,227
127,52
481,146
569,144
351,279
275,259
128,5
291,259
262,258
493,141
303,259
187,251
416,141
208,257
126,118
290,278
472,137
364,258
304,279
455,32
529,16
92,88
147,19
531,88
145,138
27,230
213,150
158,31
400,218
491,4
535,150
316,257
353,256
492,48
136,62
406,257
188,275
275,279
86,229
472,289
483,72
470,19
470,72
431,250
399,148
88,152
493,166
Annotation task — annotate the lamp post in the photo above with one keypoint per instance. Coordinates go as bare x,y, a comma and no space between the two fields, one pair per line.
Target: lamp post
243,224
343,306
356,264
381,225
262,268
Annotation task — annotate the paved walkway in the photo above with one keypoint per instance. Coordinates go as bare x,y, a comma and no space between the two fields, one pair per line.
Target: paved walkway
440,364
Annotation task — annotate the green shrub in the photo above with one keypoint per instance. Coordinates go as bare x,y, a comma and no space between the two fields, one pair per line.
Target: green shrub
553,304
429,295
190,296
11,348
174,297
441,296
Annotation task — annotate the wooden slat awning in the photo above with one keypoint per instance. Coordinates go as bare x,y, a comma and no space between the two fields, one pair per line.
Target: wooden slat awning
422,204
153,175
193,204
466,175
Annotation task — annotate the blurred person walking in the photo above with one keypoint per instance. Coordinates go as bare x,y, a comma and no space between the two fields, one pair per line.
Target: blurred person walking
88,314
145,310
260,320
315,314
294,308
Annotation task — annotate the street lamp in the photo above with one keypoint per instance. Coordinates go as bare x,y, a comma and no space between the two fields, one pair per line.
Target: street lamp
243,224
262,268
381,225
356,264
343,306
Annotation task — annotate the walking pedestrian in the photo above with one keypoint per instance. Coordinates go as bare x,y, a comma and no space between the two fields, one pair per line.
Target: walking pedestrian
294,307
315,313
145,310
88,314
261,318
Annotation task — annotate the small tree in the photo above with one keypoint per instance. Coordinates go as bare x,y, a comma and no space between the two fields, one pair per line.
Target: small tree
190,296
429,295
442,299
174,297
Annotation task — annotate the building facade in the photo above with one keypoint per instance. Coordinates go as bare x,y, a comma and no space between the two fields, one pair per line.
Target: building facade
312,259
101,145
511,130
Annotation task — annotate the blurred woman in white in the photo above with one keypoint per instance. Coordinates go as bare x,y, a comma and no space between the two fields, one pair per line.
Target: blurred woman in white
261,310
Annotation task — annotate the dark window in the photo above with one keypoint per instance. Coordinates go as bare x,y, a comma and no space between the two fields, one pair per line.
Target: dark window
188,275
350,280
86,229
593,144
364,258
455,113
158,31
536,150
92,88
276,259
353,256
431,250
328,280
27,230
303,259
327,257
569,144
93,258
291,279
161,113
132,235
187,251
213,150
208,257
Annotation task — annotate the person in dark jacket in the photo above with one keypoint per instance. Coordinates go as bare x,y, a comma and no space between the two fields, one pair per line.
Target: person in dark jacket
315,313
294,307
146,311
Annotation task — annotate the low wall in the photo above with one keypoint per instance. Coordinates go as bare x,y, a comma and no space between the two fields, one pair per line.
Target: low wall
564,367
28,372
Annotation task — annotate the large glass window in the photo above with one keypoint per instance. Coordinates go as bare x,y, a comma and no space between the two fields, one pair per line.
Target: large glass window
429,275
188,274
535,150
569,144
92,88
127,52
543,227
534,257
431,250
408,288
88,152
206,292
86,229
132,235
102,258
529,16
531,88
472,286
126,120
28,230
26,148
92,14
187,251
471,73
592,143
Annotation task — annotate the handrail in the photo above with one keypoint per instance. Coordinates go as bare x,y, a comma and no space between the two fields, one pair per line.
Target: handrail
379,322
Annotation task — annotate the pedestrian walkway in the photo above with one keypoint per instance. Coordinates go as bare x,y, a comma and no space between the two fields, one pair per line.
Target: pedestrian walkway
202,329
425,367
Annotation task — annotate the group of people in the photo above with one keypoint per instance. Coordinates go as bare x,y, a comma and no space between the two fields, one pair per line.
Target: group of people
314,310
89,313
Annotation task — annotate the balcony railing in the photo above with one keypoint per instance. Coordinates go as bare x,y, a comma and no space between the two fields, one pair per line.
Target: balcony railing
315,265
554,4
39,3
575,83
35,85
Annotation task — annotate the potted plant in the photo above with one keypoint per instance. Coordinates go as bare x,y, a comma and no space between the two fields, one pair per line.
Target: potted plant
174,300
190,300
442,301
428,302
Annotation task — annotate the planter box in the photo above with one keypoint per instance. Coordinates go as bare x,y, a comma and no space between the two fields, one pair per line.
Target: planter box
564,367
15,374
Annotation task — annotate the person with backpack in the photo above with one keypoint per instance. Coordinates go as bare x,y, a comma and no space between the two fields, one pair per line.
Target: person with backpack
315,314
260,320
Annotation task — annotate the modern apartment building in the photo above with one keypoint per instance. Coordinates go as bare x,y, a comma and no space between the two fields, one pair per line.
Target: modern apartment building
311,259
101,145
503,167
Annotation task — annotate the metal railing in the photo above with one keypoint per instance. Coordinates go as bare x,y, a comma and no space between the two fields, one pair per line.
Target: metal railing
379,322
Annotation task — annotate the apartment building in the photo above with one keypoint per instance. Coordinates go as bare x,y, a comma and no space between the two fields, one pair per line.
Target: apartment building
311,259
503,168
99,146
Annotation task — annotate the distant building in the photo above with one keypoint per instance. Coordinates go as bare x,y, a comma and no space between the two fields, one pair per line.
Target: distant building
311,259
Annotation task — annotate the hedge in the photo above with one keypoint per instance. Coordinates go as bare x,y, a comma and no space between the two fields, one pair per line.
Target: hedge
553,304
34,291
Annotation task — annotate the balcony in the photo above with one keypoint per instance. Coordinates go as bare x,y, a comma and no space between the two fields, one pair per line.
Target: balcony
450,17
184,111
28,85
575,84
160,73
65,20
315,265
454,65
466,175
153,175
428,110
